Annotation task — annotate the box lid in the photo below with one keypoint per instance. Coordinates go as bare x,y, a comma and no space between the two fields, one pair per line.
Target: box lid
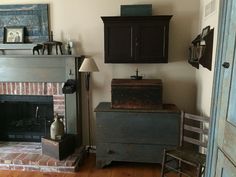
131,82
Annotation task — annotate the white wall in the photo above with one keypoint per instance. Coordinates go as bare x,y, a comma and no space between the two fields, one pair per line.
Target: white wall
204,76
80,21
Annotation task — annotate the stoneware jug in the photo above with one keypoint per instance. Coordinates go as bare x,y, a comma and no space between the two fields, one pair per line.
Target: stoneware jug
57,128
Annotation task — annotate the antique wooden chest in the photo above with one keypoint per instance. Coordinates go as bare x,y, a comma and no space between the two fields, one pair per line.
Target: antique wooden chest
136,94
58,149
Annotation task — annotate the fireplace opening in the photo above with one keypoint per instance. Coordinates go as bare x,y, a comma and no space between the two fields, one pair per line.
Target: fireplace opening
25,117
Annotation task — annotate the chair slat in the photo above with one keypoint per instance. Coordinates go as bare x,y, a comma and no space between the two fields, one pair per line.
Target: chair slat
176,170
183,154
197,118
195,129
194,141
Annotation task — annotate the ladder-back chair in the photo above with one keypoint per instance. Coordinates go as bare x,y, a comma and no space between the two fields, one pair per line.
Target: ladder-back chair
194,131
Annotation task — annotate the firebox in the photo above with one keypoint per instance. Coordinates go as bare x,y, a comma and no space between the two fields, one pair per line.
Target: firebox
25,117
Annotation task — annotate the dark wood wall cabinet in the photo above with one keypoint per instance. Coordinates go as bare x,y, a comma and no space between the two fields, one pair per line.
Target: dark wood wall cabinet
136,39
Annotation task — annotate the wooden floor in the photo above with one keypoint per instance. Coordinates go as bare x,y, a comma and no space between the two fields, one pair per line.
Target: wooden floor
88,169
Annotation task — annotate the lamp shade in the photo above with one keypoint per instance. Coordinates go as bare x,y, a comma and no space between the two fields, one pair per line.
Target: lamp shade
88,65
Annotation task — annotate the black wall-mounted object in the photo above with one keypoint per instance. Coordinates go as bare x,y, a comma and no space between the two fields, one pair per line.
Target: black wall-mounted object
201,50
69,86
136,39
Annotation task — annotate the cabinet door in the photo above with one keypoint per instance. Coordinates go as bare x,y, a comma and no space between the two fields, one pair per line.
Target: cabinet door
224,168
119,43
151,43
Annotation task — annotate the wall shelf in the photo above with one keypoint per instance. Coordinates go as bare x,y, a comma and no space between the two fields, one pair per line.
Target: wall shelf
201,50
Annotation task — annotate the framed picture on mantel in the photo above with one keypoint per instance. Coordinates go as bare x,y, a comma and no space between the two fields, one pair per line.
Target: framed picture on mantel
13,34
34,17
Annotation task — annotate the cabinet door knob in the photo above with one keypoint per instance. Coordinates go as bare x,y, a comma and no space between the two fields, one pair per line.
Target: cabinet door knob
226,64
136,42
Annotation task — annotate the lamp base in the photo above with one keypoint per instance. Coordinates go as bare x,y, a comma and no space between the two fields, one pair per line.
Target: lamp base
90,149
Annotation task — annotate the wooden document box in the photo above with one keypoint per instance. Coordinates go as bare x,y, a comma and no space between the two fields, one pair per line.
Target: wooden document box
136,94
58,149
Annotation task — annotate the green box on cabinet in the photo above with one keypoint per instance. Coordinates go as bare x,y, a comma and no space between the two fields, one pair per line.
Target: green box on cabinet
136,10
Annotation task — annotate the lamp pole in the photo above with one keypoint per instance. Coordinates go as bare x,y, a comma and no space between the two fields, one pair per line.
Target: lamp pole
87,83
88,65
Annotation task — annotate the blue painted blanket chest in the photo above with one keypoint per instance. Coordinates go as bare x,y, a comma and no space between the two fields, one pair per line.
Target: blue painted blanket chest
135,135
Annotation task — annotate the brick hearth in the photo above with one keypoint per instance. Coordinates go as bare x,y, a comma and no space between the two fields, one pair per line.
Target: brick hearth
28,156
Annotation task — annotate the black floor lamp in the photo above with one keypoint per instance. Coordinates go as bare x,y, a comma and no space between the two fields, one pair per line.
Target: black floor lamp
88,66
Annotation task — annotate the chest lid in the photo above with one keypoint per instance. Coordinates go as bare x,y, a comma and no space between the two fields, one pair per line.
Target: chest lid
130,82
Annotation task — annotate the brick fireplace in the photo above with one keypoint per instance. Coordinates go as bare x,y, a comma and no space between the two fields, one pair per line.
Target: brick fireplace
44,75
26,109
36,82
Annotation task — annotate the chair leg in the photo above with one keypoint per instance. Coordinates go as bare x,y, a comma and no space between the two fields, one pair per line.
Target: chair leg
180,168
163,163
199,171
203,170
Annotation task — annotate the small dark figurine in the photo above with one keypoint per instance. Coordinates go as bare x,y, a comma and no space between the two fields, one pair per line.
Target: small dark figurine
37,48
136,77
51,36
69,49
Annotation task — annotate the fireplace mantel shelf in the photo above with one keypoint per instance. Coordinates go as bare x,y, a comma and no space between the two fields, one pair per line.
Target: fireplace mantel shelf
39,56
26,46
37,68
